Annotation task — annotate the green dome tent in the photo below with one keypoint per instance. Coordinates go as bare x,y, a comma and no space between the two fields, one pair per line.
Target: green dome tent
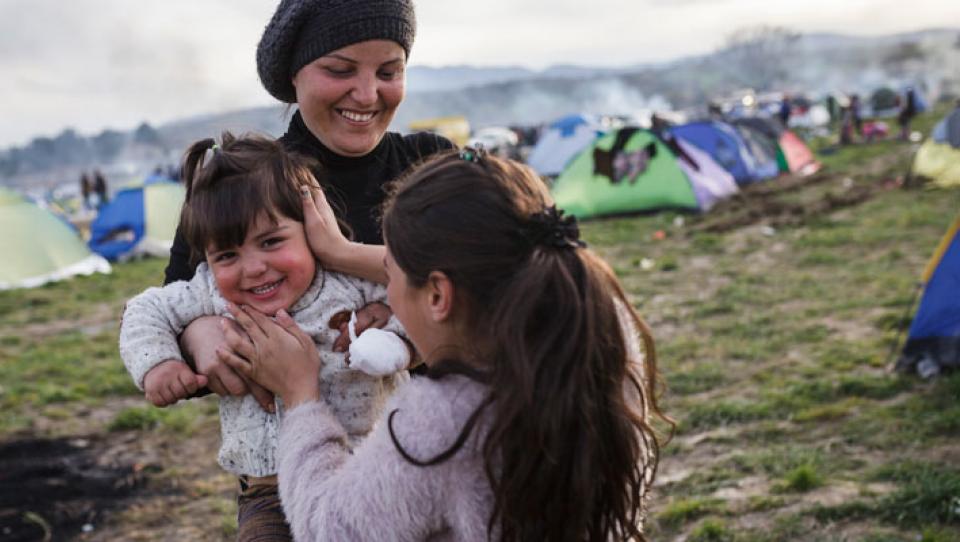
633,170
38,247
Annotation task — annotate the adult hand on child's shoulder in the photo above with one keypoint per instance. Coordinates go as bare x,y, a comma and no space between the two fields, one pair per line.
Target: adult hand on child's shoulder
373,315
170,381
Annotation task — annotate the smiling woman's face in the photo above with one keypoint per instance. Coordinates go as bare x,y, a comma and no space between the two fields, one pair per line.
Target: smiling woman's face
349,96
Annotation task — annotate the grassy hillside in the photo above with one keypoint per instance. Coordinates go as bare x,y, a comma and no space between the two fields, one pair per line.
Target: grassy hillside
773,324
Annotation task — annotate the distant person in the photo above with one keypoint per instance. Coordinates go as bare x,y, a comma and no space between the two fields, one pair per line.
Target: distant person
519,431
785,110
86,189
257,255
855,117
658,124
345,70
908,110
847,129
100,187
715,111
830,102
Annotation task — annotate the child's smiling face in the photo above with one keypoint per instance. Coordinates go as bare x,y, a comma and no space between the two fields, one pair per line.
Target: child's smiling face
270,271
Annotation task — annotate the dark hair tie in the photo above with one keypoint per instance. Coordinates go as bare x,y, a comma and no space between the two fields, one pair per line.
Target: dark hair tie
550,228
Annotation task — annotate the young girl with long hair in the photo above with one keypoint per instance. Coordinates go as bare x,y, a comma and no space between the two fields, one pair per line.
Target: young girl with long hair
535,421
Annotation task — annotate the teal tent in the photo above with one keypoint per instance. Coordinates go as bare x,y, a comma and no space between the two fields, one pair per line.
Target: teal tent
38,247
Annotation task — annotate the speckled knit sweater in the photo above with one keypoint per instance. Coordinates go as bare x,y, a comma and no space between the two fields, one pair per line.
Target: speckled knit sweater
153,320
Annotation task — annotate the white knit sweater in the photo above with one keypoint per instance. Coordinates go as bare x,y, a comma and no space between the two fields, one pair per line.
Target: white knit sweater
153,320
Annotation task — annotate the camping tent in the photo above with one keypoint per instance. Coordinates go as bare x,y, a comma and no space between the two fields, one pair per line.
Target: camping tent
139,220
725,144
711,183
792,154
633,170
762,148
948,130
938,159
934,340
38,247
561,141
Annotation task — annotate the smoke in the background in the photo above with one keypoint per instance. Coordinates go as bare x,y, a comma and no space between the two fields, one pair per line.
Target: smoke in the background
532,103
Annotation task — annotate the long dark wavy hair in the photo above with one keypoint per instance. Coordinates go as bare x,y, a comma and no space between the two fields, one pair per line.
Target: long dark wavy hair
568,445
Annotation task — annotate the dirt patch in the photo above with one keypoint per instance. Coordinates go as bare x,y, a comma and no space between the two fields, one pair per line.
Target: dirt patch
53,489
753,207
102,318
771,203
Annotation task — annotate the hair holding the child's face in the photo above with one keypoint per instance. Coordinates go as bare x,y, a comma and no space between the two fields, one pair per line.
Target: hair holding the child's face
231,184
568,446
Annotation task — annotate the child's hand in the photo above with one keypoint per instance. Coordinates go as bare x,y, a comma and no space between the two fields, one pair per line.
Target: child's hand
377,352
171,381
374,315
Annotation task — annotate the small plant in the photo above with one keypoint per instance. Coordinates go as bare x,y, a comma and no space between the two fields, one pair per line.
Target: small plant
684,510
928,495
136,418
711,530
802,479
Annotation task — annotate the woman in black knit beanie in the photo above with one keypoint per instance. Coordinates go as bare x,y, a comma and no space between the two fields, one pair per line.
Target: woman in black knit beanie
342,64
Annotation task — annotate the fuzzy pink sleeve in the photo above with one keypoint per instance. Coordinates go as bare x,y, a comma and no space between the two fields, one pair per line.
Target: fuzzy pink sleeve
329,493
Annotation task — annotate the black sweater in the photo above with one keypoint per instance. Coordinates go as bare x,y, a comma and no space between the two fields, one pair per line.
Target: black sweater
353,184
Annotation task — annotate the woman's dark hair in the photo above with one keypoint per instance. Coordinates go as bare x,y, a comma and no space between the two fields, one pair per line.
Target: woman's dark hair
230,184
568,445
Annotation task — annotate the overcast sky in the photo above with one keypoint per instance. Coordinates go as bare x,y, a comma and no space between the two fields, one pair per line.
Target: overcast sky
93,64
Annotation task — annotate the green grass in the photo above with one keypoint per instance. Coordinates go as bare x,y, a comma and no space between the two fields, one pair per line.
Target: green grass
712,530
926,495
181,418
774,350
685,510
801,479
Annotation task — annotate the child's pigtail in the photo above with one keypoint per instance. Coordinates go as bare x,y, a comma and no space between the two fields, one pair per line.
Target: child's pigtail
193,162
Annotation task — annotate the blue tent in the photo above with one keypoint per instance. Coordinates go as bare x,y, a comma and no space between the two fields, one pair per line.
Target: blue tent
562,141
934,340
140,220
948,130
728,147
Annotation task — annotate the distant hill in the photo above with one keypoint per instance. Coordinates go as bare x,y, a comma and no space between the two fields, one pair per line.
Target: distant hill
812,64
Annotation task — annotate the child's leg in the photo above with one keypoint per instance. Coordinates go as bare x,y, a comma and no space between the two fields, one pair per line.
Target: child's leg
260,517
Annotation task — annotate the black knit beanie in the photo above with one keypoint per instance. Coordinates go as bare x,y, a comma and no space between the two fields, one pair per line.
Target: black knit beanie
302,31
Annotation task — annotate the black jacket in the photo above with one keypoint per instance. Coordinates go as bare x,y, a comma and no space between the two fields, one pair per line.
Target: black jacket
354,186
